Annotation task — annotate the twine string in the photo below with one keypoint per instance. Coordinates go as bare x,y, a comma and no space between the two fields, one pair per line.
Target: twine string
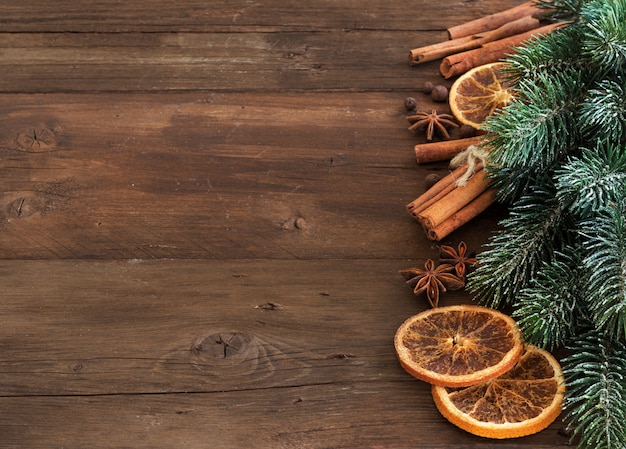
475,157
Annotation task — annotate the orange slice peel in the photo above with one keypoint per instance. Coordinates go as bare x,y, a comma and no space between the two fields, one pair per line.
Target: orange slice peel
478,93
458,346
484,378
521,402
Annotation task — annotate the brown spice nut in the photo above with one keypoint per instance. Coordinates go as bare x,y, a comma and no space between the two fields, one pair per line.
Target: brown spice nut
431,179
410,103
466,131
439,94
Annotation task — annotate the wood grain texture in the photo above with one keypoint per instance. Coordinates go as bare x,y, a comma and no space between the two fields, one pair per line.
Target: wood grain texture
112,16
208,176
321,417
253,354
198,326
214,61
202,220
221,46
332,416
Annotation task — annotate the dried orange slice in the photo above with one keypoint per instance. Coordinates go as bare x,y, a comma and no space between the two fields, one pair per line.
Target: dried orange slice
523,401
476,94
458,346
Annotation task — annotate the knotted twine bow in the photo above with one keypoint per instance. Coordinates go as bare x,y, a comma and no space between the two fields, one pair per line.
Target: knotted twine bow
475,157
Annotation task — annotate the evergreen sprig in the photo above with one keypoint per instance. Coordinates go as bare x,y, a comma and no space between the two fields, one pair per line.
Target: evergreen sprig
604,110
544,121
595,375
605,239
551,53
558,159
544,112
548,309
593,179
604,34
566,10
535,229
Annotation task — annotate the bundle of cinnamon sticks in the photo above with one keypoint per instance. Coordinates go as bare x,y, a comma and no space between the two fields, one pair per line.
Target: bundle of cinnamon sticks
448,205
484,40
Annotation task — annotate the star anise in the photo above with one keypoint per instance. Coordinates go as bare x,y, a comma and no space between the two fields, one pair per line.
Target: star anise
461,259
432,280
433,123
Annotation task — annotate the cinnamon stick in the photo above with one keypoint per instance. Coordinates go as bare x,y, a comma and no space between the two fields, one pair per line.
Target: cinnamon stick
450,47
493,21
442,151
466,214
444,186
441,49
460,63
454,201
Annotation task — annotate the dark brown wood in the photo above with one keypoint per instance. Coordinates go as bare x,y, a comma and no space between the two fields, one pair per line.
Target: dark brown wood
357,415
212,61
207,176
200,326
236,353
159,45
202,220
111,16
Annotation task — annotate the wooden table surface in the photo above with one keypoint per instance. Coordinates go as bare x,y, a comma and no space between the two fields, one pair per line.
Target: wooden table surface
203,219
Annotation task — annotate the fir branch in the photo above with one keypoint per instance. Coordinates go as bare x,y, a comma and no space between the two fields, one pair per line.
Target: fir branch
605,37
558,155
604,111
605,240
562,9
512,183
552,53
595,374
536,129
534,229
549,309
593,179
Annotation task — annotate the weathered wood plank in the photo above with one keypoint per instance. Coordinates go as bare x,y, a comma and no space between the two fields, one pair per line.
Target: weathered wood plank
165,46
296,61
90,328
201,239
253,354
219,15
210,176
333,416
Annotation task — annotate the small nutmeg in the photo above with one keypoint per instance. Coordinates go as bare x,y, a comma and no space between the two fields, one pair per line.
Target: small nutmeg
467,131
410,103
431,180
428,87
439,94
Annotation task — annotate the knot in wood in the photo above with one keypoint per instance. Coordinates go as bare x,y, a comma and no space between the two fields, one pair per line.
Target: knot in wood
36,140
25,206
295,223
222,345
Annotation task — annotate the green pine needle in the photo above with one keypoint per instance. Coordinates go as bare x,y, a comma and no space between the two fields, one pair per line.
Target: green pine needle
528,237
542,114
595,375
605,41
558,158
604,111
548,310
566,10
549,54
605,241
590,181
